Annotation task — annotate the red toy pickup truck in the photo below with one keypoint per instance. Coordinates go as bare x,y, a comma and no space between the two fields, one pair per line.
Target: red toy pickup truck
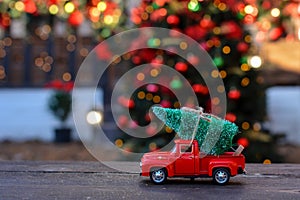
186,160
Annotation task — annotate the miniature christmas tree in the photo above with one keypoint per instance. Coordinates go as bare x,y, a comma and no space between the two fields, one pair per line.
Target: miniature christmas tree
214,134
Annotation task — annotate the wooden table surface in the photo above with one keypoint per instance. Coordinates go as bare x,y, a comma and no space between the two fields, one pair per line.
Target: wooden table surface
93,180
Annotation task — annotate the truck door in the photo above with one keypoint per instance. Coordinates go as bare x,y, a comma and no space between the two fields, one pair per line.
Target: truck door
185,163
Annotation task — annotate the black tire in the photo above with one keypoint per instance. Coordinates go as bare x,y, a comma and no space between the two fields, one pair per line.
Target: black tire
158,176
221,176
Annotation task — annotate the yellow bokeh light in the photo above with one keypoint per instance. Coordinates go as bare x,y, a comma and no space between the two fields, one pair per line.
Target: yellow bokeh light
248,38
144,16
69,7
249,9
152,146
222,6
215,74
221,89
115,19
156,99
154,72
168,129
275,12
72,39
117,12
217,30
119,143
140,76
2,53
108,19
2,72
210,43
226,49
149,96
149,9
46,67
126,56
183,45
223,74
245,67
245,125
141,95
215,101
94,12
267,162
177,104
256,127
53,9
19,5
245,82
84,52
116,59
101,6
216,3
39,62
7,41
67,76
266,25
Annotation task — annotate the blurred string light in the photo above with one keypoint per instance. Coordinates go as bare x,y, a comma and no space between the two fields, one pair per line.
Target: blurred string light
43,31
156,99
119,143
44,62
154,72
2,72
245,125
245,67
275,12
194,5
101,6
19,6
94,117
226,49
69,7
103,14
67,76
267,162
255,61
245,82
251,10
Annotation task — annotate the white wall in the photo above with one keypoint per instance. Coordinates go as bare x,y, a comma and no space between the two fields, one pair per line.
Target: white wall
24,114
283,107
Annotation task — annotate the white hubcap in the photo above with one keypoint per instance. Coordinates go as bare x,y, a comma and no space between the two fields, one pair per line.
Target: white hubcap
221,177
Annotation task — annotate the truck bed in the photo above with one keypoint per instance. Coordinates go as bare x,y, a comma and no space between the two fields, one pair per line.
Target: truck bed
228,157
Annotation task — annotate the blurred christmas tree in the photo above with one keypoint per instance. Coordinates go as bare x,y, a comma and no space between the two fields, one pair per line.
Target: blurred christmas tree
223,30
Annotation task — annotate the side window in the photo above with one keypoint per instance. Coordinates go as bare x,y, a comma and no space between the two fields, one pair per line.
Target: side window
186,148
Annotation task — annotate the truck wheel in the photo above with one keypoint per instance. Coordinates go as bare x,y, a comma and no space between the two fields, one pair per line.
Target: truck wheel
158,176
221,176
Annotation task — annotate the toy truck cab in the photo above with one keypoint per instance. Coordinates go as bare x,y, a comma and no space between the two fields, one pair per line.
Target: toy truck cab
185,160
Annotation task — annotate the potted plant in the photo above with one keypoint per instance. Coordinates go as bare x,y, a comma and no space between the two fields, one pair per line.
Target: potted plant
60,105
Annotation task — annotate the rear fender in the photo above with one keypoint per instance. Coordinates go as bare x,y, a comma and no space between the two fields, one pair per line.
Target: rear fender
232,167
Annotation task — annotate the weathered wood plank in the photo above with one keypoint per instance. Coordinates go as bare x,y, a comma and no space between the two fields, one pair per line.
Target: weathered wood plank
93,180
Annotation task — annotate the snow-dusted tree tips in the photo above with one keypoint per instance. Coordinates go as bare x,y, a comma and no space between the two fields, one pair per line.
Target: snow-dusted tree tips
214,134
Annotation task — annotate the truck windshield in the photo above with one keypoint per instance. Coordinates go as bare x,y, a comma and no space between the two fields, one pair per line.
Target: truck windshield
173,150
